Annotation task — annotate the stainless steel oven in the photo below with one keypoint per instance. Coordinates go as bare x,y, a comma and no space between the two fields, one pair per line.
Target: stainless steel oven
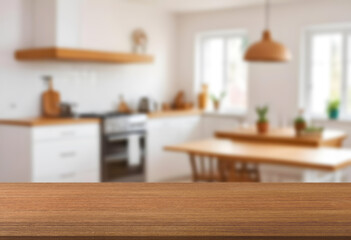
123,146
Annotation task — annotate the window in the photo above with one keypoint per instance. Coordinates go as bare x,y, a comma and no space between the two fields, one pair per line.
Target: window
328,69
222,67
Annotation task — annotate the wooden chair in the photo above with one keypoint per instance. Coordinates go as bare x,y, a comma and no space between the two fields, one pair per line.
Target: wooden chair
238,172
208,169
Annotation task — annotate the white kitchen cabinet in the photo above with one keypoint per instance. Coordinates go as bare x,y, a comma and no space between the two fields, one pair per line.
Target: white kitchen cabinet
68,153
163,166
212,124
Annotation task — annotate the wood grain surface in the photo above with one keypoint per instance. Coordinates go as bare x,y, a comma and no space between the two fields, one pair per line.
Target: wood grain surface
33,122
328,159
288,136
174,211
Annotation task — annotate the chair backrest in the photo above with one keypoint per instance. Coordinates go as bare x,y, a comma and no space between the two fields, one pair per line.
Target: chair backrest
210,169
232,171
205,169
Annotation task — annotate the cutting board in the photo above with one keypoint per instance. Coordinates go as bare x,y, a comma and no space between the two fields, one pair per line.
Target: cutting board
51,102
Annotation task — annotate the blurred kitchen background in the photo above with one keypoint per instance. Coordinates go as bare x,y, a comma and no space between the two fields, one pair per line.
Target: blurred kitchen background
94,90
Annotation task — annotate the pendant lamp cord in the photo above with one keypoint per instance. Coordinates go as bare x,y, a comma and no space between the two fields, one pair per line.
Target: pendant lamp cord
267,13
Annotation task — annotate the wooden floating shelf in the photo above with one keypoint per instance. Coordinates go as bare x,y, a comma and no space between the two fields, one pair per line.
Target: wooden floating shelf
80,55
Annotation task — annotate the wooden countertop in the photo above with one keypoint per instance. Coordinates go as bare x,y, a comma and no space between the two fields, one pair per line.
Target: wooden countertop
35,122
175,113
263,153
286,135
174,211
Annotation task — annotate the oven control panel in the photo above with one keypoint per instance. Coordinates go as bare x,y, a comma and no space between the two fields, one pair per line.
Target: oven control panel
123,124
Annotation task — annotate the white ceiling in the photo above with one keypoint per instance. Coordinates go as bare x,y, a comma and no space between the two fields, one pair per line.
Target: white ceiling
201,5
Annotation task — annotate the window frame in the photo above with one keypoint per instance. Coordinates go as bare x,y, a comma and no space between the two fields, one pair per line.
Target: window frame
225,35
305,99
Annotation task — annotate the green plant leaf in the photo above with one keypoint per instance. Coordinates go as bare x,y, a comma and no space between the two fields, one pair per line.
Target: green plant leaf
262,114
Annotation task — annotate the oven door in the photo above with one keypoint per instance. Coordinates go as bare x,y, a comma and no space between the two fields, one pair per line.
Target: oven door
124,155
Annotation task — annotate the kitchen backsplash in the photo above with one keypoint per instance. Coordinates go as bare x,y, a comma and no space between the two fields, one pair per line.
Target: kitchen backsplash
93,87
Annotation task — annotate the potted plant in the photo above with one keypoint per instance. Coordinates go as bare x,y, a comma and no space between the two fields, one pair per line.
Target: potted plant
312,131
262,122
300,123
217,100
333,109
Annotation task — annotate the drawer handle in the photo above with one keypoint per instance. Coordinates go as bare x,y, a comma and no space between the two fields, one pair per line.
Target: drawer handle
68,175
68,155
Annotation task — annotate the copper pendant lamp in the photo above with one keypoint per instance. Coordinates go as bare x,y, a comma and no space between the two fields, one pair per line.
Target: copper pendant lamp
267,50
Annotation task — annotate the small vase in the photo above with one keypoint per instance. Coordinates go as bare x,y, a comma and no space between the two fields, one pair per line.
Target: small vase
262,127
203,97
216,105
334,114
299,127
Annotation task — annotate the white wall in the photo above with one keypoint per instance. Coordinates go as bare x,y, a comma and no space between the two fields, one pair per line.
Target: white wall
43,22
105,25
275,84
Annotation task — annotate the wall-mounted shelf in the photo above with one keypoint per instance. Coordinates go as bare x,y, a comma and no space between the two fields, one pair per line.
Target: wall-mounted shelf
78,55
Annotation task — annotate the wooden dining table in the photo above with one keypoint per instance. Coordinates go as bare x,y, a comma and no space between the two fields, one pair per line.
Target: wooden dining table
291,163
285,136
121,211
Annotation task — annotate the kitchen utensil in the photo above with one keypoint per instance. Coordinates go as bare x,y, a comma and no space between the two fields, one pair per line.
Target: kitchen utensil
51,101
123,106
67,109
203,97
179,101
147,105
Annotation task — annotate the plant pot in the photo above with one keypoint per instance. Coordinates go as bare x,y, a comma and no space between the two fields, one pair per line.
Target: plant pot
334,114
262,127
217,105
299,127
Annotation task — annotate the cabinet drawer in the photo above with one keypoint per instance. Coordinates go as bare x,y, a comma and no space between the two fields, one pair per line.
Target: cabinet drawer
65,132
92,176
65,159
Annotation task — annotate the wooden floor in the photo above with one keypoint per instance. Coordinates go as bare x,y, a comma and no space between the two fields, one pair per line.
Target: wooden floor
175,211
